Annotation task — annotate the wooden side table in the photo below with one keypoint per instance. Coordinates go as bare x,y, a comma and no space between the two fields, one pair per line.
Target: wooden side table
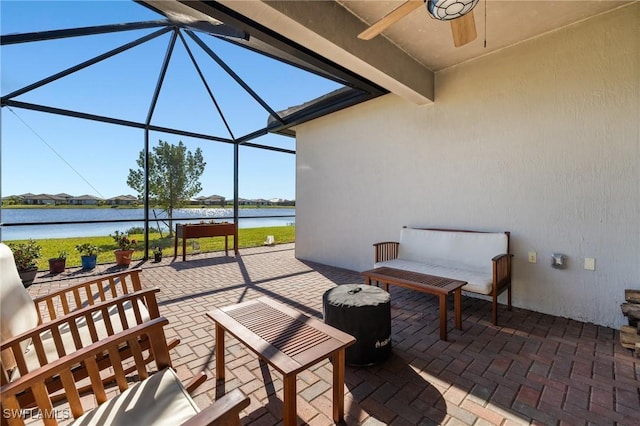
200,230
286,339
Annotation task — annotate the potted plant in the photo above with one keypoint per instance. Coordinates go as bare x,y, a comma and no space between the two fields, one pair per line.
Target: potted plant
57,264
125,247
157,254
88,255
25,256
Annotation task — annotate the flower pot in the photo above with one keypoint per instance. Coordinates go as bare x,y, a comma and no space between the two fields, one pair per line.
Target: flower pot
57,265
28,275
157,257
88,262
123,257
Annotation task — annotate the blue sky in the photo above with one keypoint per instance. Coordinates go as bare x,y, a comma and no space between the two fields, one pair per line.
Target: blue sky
45,153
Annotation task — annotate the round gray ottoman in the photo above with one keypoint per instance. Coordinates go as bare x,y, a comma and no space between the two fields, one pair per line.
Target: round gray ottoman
364,311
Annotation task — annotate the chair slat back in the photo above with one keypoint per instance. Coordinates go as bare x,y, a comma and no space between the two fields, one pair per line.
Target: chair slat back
96,321
97,289
92,358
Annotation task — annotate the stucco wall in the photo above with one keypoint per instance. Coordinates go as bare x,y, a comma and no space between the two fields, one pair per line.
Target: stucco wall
541,139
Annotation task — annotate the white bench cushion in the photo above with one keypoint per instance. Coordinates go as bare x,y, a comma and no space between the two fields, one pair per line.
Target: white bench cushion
478,281
159,400
458,250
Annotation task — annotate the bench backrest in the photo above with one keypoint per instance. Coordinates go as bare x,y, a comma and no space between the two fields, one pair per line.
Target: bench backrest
451,248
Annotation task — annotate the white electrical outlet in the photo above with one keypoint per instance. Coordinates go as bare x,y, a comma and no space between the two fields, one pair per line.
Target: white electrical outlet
589,264
533,257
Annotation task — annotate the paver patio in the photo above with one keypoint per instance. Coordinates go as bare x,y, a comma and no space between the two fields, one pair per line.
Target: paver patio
531,369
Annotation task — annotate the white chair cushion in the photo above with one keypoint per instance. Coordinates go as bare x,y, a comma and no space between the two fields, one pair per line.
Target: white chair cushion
159,400
477,281
17,310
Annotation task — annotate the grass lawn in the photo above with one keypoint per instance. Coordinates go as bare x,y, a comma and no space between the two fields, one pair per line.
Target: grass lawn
249,237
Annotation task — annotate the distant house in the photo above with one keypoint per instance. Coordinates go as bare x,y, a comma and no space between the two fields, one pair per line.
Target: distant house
122,200
260,202
197,200
42,199
85,200
26,198
212,200
64,196
282,202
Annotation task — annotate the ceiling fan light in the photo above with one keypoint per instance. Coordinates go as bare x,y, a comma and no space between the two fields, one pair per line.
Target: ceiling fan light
446,10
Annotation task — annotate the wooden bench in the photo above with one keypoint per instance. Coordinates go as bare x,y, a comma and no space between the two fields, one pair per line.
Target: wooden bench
482,259
441,287
287,340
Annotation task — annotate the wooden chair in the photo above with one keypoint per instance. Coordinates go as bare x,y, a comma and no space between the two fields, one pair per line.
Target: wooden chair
35,332
158,399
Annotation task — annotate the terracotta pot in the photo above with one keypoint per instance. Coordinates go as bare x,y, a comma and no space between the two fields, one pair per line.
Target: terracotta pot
28,275
123,257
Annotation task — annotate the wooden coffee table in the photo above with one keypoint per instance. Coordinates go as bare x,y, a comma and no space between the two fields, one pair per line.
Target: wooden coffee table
440,286
286,339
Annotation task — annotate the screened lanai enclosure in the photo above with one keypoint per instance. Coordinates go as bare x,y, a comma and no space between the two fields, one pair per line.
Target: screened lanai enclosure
87,91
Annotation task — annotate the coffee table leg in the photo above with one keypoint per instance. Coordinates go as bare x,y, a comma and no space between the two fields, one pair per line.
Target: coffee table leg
219,352
289,400
457,303
443,317
338,385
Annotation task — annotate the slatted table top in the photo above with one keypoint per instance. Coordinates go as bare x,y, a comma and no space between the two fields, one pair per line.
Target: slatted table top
287,339
401,276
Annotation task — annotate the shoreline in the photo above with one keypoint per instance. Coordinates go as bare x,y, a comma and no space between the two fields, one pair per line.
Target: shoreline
121,207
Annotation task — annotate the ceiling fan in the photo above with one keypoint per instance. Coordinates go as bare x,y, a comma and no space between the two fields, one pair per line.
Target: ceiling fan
458,12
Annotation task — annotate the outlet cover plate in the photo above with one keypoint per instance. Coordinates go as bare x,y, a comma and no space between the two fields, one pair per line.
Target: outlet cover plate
589,264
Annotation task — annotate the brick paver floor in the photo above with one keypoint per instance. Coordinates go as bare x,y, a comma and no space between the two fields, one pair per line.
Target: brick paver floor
532,369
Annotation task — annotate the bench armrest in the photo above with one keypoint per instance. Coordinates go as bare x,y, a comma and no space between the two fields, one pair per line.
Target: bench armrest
501,271
77,296
386,250
225,411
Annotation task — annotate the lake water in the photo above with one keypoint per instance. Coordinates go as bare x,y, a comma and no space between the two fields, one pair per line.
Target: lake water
136,216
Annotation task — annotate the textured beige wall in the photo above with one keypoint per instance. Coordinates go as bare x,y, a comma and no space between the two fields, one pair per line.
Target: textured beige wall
541,139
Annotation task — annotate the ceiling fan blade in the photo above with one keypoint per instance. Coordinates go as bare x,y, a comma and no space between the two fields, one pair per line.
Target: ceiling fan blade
390,19
463,29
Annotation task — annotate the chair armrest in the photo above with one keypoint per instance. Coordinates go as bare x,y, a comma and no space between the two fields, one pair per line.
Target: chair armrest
386,250
225,411
77,296
501,271
34,381
69,323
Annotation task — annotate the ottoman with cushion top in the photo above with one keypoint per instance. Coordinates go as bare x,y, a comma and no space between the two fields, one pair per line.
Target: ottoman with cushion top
363,311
